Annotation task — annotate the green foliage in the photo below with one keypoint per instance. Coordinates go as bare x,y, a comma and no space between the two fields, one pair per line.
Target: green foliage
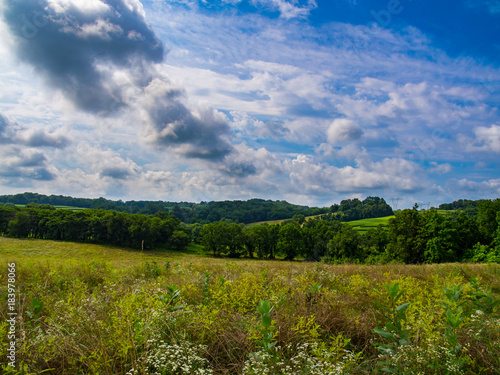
199,314
354,209
487,218
290,240
393,315
405,241
222,238
345,245
172,299
266,328
20,226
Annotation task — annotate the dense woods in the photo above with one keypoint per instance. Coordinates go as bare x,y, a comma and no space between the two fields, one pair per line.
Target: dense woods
94,226
412,236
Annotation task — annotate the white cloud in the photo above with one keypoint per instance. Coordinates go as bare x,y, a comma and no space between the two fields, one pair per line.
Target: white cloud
100,28
487,139
343,130
289,9
440,168
85,6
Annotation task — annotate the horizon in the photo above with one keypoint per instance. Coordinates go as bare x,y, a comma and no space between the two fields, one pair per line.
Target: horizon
311,102
421,205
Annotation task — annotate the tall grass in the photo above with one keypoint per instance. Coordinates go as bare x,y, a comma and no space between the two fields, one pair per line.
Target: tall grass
113,311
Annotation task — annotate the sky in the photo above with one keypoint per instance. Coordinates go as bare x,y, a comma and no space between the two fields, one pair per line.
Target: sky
308,101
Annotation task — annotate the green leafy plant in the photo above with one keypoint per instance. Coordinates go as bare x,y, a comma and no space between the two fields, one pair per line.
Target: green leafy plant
172,299
482,299
36,309
393,331
313,293
266,327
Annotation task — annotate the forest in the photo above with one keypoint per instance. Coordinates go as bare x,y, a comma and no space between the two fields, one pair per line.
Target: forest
246,212
412,237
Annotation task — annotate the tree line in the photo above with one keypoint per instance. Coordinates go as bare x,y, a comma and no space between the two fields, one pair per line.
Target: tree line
412,237
94,226
250,211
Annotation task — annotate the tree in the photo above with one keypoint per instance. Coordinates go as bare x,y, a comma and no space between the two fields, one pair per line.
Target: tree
180,240
486,218
405,241
374,243
440,238
345,245
467,234
265,239
290,242
20,225
222,238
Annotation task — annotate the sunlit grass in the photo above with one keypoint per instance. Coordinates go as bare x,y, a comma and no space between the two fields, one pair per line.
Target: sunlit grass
365,224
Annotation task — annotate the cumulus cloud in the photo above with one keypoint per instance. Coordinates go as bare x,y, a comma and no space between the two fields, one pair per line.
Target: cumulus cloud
39,138
68,42
4,130
199,133
103,55
13,133
440,168
479,189
19,164
343,130
487,139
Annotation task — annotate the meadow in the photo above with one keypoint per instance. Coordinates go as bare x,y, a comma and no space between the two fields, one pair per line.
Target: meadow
92,309
363,225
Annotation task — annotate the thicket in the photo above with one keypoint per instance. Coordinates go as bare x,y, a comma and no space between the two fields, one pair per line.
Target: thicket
242,317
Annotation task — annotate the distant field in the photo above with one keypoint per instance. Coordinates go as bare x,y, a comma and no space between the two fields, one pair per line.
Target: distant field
278,221
360,225
363,225
71,208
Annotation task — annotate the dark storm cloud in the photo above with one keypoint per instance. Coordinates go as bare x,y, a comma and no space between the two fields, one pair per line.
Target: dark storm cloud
68,45
174,126
78,46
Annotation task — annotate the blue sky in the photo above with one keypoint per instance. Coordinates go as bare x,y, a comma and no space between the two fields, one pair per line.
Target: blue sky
307,101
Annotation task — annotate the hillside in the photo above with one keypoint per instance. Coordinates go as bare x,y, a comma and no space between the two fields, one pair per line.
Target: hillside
249,211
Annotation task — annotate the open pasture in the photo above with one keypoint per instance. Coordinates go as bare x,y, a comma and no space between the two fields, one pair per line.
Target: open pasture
89,309
363,225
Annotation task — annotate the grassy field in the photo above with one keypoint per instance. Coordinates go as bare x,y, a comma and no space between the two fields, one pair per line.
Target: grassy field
90,309
270,222
359,225
71,208
363,225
